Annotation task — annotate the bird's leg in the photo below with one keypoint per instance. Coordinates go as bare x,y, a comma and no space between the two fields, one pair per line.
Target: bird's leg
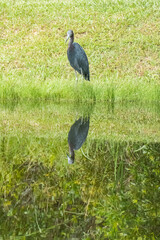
76,77
82,73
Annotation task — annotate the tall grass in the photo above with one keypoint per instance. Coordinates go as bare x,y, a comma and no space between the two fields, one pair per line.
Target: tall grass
120,38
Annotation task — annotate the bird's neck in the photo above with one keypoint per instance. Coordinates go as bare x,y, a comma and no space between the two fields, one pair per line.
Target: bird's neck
71,40
71,152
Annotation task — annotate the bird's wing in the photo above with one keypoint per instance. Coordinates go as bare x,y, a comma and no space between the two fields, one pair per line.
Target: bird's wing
81,57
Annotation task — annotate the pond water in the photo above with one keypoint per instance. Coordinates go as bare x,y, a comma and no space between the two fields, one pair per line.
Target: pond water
79,171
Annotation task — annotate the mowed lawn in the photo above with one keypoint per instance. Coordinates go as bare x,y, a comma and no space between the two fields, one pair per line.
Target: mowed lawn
120,38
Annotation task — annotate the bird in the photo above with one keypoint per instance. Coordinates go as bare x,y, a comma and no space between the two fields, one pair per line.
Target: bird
77,57
77,136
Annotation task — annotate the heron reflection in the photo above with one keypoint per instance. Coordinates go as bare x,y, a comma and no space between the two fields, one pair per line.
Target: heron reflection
77,136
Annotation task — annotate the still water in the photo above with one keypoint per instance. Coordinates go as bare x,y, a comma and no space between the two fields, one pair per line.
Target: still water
84,171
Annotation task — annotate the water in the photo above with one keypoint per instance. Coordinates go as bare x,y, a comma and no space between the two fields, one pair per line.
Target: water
112,189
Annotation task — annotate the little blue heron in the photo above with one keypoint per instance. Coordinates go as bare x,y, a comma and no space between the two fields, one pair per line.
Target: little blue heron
77,57
77,136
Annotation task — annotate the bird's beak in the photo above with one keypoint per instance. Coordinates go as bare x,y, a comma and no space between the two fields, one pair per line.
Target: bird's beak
70,160
67,39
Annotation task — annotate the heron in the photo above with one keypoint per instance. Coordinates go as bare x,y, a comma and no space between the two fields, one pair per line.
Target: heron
77,57
77,136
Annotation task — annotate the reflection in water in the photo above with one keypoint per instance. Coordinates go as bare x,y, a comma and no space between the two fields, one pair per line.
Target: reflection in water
115,195
77,136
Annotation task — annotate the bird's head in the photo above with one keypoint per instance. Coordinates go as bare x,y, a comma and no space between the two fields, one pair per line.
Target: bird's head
70,159
70,34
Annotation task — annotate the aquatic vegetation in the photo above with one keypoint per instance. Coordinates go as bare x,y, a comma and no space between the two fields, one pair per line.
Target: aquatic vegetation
112,189
85,201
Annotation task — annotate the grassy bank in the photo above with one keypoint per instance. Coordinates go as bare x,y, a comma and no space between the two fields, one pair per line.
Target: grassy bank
120,38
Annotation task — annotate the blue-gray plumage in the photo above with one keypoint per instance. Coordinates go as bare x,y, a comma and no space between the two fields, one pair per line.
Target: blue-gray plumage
77,57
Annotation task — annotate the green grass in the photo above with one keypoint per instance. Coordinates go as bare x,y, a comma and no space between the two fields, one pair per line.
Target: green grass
113,193
121,39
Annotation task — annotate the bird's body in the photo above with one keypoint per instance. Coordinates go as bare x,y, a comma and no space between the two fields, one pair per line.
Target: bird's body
77,57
